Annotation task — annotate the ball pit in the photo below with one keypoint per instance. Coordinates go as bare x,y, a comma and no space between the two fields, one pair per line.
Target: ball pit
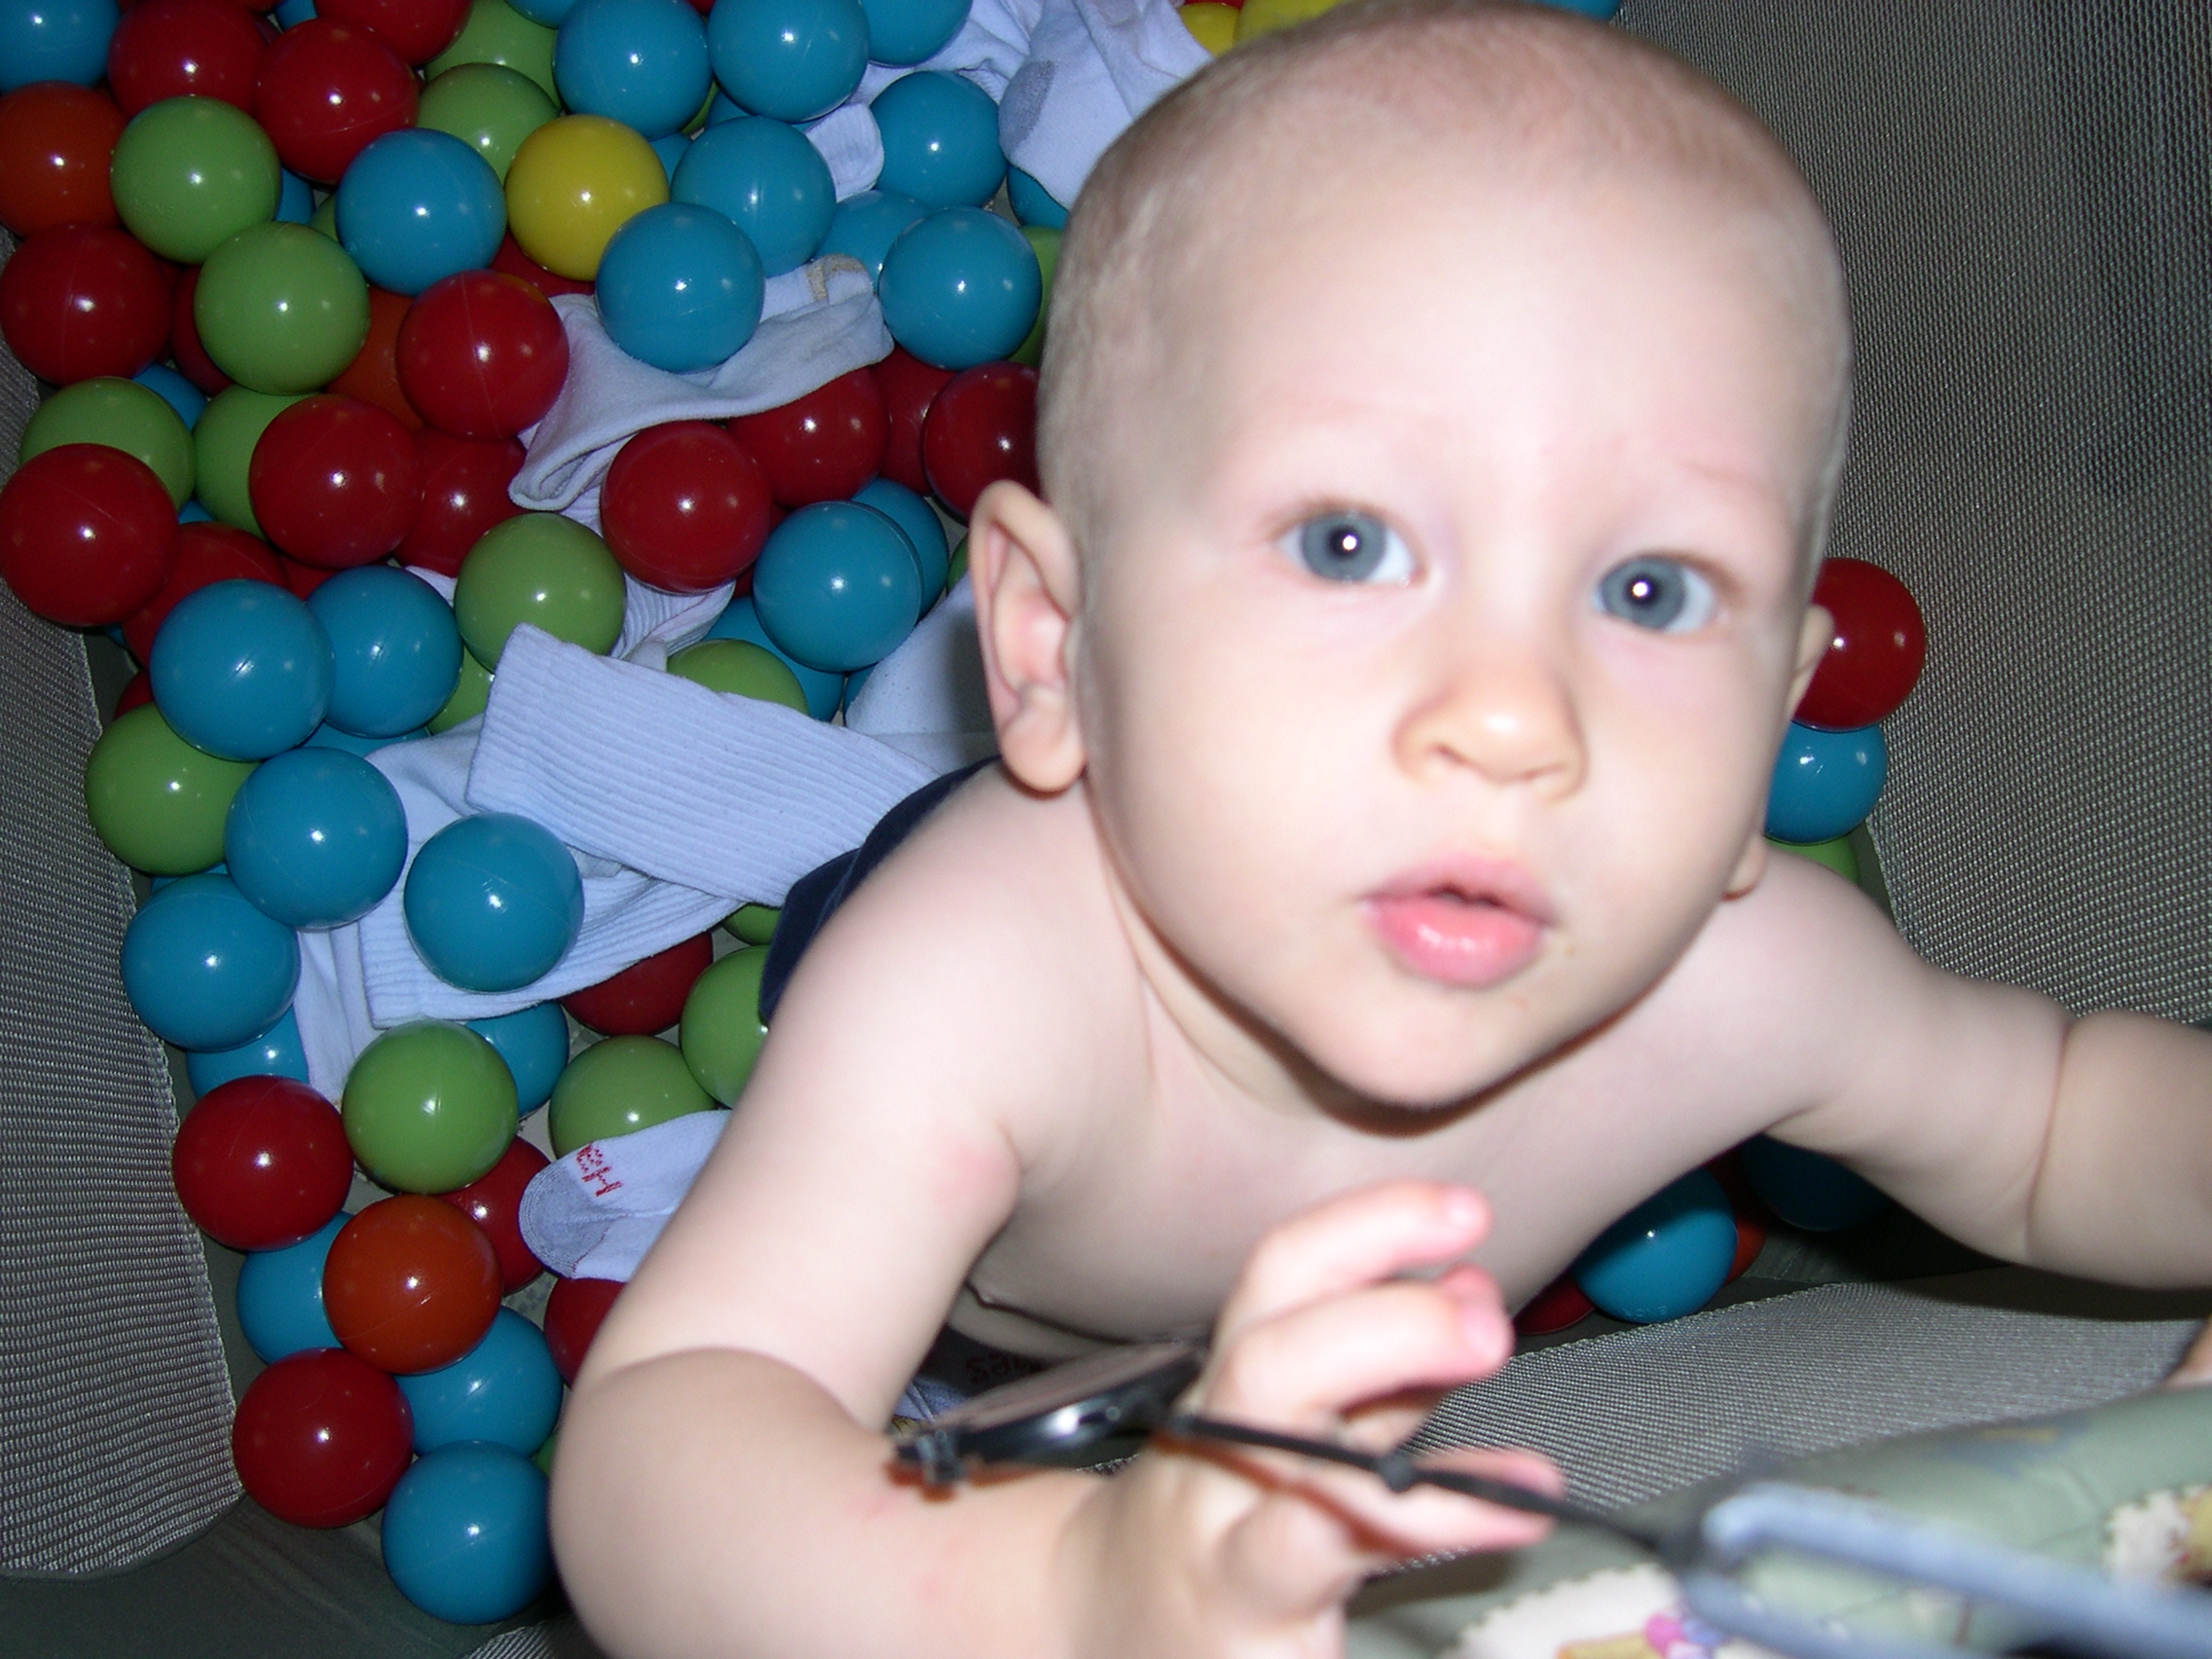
410,1284
792,59
534,1042
55,140
496,33
1666,1257
190,357
222,451
837,586
334,481
821,689
824,446
767,180
545,570
680,286
489,107
641,62
429,1107
83,300
721,1032
321,1439
574,1313
465,1533
373,376
909,387
261,1162
645,997
685,506
492,902
925,532
167,48
1875,656
395,653
982,427
1032,202
280,309
865,225
493,1201
327,90
275,1052
122,415
158,802
191,173
56,40
482,355
618,1086
502,1392
907,31
86,535
960,287
417,29
940,140
739,668
1825,781
1806,1189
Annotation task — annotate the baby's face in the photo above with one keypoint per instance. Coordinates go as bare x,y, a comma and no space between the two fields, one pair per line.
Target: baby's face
1435,651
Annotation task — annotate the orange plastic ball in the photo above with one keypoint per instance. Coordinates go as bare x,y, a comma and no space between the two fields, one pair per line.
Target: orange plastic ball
373,376
410,1284
56,141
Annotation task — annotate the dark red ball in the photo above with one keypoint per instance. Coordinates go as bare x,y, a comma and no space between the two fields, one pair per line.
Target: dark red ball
322,1438
303,579
647,996
482,355
574,1313
1876,655
821,447
909,387
1556,1306
684,508
56,140
464,493
86,534
334,481
261,1162
84,299
137,692
981,429
202,555
192,359
173,49
493,1201
326,90
515,263
417,29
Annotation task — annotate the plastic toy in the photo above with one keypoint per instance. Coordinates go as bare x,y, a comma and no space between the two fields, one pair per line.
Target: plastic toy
1874,659
617,1087
122,415
907,31
959,288
574,1313
223,442
85,535
534,1042
544,569
417,205
768,181
1044,244
482,355
280,1296
925,532
50,42
940,140
679,288
464,493
544,13
822,689
1808,1189
672,148
511,261
865,225
321,1439
489,107
316,837
1825,781
465,1533
373,376
641,62
792,59
503,1392
1666,1257
169,49
492,902
410,1284
203,968
83,300
821,447
737,668
645,997
909,387
429,1107
334,481
573,184
158,802
191,357
685,506
55,140
261,1162
275,1052
328,90
493,1201
395,653
243,669
470,695
752,924
837,586
281,309
417,29
982,427
1555,1308
1032,202
496,33
721,1031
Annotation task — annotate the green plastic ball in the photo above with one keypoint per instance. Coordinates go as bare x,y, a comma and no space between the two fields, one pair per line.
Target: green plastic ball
496,33
1044,244
222,449
122,415
281,309
324,218
545,570
190,173
721,1030
1837,853
543,1456
489,107
470,692
752,924
742,669
429,1107
158,802
958,568
619,1086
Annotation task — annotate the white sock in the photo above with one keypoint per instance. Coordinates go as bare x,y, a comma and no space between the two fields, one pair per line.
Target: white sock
595,1213
1093,66
927,697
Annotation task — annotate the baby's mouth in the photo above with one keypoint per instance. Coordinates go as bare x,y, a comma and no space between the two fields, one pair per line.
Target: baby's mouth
1474,928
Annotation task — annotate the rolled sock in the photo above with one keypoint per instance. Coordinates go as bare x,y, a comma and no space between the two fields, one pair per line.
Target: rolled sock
595,1213
1093,66
927,698
851,142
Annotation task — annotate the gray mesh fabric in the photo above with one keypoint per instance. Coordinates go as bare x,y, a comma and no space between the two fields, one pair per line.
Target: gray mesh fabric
115,1411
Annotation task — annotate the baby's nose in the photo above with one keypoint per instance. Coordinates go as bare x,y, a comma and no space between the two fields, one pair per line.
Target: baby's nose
1505,714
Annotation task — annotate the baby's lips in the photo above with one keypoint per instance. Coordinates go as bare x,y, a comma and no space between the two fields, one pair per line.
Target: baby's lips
1441,935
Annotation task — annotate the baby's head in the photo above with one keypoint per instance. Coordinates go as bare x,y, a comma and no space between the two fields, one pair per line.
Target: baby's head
1441,407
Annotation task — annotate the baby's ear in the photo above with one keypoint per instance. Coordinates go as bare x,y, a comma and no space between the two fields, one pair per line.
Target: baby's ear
1028,589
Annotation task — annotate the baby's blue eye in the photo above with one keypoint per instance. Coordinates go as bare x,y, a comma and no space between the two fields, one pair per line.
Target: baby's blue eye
1350,546
1659,594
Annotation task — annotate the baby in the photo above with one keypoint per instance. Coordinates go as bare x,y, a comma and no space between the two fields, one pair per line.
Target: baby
1441,413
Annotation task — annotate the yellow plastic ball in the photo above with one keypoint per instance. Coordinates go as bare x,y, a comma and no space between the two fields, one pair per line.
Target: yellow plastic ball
575,182
1265,16
1213,24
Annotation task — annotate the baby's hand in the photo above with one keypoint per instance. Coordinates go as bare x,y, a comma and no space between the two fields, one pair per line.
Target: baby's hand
1214,1550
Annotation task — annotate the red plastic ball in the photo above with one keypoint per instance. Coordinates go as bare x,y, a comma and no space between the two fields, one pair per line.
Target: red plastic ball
574,1313
493,1201
261,1162
173,49
981,429
417,29
464,493
684,508
56,143
86,534
909,387
334,481
84,299
411,1283
482,355
512,260
191,357
1750,1239
303,579
1556,1306
1875,656
821,447
137,692
326,90
647,996
202,555
373,376
321,1439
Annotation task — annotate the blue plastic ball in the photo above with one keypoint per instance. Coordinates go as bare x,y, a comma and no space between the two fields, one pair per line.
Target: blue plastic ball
55,40
281,1295
941,139
960,288
295,200
420,204
534,1041
243,669
855,682
837,586
1666,1257
1032,202
328,736
907,31
720,108
204,967
768,181
465,1533
924,532
672,150
293,13
503,1392
792,59
181,395
679,288
492,901
1602,10
641,62
546,14
316,837
192,512
825,691
275,1052
1809,1190
395,651
865,225
1825,781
